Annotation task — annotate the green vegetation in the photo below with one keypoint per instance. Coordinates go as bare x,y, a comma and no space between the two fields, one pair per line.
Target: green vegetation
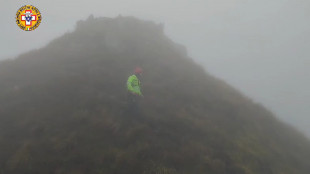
63,111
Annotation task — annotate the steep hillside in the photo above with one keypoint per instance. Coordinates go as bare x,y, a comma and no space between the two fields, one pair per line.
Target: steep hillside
63,110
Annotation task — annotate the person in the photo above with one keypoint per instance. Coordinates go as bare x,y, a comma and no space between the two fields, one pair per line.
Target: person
134,90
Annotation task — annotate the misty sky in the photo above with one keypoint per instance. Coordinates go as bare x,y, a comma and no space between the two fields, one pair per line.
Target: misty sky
261,47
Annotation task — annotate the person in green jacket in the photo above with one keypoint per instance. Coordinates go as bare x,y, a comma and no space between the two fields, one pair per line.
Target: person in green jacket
134,89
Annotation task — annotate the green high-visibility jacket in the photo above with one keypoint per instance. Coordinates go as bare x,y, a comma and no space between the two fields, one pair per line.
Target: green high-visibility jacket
134,85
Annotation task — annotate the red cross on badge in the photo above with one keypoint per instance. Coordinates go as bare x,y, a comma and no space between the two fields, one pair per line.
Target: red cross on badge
28,18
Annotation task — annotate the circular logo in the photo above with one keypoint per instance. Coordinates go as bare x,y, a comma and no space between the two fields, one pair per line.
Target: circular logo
28,18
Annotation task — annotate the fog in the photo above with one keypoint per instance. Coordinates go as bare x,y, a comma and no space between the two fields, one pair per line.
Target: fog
259,47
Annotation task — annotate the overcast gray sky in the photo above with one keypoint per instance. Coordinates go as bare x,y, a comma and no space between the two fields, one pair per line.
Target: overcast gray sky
261,47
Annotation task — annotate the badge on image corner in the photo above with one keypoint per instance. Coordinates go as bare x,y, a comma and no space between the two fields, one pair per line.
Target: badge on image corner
28,18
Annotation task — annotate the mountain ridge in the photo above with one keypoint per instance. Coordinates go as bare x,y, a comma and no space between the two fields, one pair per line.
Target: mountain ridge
63,110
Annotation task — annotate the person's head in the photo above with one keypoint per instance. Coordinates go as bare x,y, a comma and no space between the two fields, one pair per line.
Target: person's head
138,71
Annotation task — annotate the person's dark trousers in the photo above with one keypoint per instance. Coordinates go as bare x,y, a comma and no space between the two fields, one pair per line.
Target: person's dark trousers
133,104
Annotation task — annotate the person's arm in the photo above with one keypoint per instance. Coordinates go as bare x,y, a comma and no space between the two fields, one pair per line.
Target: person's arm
139,89
139,92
